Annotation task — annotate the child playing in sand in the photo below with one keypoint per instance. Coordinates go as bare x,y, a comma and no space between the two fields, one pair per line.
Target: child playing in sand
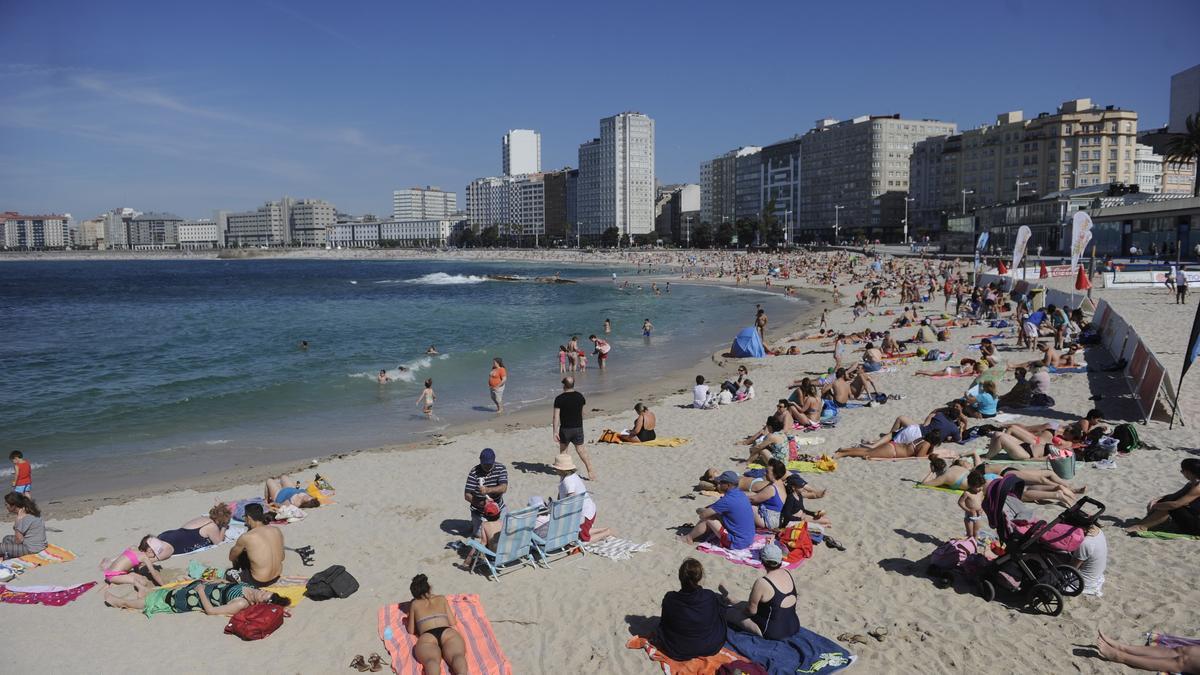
123,569
971,502
427,398
22,473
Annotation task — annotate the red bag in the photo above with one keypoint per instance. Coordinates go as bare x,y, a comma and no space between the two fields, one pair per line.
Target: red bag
256,621
798,542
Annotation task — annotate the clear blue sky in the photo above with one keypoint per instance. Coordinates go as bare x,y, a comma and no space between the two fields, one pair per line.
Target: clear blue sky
189,107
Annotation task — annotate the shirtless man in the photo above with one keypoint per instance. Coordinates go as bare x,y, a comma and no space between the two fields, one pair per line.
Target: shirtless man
760,323
889,344
257,555
872,358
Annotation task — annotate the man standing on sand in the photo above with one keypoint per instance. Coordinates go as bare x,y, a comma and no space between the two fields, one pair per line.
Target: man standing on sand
257,555
567,423
486,481
760,323
497,378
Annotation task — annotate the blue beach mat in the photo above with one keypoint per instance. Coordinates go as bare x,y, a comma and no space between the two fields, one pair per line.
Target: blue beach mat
804,652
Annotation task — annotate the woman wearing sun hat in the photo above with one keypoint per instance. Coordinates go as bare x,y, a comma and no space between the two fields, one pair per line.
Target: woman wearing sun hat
571,484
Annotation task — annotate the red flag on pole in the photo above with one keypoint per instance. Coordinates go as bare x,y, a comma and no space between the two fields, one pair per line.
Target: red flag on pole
1044,273
1081,280
1001,268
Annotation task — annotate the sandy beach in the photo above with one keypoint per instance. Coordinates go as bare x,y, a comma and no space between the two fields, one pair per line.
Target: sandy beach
398,510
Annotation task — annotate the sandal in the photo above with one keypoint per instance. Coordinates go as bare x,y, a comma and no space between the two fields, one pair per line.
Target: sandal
359,664
375,662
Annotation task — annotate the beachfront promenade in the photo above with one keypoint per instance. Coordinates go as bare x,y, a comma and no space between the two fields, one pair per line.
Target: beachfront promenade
396,513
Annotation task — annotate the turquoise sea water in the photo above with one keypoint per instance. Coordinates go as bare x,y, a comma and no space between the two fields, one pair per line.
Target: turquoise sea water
141,358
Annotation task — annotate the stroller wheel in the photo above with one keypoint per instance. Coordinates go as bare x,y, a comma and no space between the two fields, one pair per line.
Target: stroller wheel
987,590
1070,583
1045,599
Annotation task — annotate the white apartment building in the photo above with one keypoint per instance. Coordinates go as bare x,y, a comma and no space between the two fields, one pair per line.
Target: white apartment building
516,205
116,227
521,152
427,203
1147,169
390,232
36,232
616,177
200,234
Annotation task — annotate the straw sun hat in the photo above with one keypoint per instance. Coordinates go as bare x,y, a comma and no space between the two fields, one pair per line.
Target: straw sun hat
563,462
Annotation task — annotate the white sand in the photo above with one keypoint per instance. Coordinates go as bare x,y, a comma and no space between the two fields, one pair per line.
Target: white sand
393,511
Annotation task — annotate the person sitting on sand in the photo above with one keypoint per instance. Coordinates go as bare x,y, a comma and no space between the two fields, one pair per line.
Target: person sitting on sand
569,484
284,491
643,426
889,345
984,403
774,445
700,393
964,368
805,405
434,624
133,566
730,519
794,510
890,449
872,358
1181,659
693,618
213,598
771,610
29,530
847,385
1181,507
1072,358
767,496
195,534
1020,394
257,555
925,333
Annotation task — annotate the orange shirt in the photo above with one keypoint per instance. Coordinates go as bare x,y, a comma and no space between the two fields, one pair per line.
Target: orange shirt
497,376
24,473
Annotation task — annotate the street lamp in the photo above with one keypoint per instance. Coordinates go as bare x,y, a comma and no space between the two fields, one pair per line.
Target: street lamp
787,228
906,201
689,231
1019,184
578,232
836,225
964,196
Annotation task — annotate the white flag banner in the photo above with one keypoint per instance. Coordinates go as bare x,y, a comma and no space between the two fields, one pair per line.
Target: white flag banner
1023,235
1081,234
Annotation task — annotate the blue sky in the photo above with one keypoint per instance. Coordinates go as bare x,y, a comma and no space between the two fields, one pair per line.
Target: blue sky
190,107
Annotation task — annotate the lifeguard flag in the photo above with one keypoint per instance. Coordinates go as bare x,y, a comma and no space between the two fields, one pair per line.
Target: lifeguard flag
1193,348
1044,273
1001,268
1081,280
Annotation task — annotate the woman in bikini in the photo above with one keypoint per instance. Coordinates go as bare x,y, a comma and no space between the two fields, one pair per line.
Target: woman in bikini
806,411
217,598
768,495
124,568
773,446
433,623
965,367
888,448
285,491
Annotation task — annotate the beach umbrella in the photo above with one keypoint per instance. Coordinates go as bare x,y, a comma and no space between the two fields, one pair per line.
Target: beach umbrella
1044,273
1081,280
1000,267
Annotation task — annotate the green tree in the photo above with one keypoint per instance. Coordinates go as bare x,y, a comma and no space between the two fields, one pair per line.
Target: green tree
725,234
610,237
1185,149
466,239
702,236
746,229
490,236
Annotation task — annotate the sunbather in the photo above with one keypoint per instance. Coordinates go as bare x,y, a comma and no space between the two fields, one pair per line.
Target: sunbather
730,519
771,610
1181,507
1080,430
214,598
767,496
1182,659
693,618
195,534
643,426
886,448
964,368
772,446
133,566
1017,446
284,490
29,530
794,511
257,555
433,623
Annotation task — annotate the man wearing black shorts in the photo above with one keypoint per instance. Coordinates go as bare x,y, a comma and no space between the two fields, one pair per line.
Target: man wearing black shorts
568,422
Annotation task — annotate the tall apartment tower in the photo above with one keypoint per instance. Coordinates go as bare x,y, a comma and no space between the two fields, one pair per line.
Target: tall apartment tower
521,151
718,185
616,177
427,203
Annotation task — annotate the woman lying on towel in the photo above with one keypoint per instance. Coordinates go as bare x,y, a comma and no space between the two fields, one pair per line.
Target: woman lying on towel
285,491
643,426
216,598
433,623
1041,485
887,448
195,534
1181,507
1181,659
965,368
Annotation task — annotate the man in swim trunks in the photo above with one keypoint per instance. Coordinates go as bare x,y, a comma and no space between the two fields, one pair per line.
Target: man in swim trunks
567,423
257,555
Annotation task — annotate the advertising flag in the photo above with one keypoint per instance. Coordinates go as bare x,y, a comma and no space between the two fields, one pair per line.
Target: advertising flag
1023,235
1081,234
1193,348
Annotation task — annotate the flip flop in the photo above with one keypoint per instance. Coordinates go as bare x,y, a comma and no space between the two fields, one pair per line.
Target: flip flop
375,663
359,664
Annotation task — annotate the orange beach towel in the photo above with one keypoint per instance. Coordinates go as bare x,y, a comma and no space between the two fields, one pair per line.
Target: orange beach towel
484,656
52,554
706,665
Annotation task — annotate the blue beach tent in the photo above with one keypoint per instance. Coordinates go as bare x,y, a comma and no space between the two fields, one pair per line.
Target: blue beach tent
747,344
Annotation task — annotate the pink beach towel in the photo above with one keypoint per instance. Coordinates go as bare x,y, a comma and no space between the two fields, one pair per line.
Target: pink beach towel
54,596
484,656
749,556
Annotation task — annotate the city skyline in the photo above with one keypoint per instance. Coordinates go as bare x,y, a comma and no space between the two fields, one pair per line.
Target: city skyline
89,123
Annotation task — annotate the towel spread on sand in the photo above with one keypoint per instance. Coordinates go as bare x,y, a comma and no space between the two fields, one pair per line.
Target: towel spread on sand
704,665
804,652
949,377
1154,534
615,548
54,596
749,556
798,466
939,487
52,554
484,656
663,442
289,587
1165,640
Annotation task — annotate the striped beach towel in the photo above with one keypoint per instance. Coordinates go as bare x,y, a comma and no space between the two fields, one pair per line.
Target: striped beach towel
615,548
52,554
484,656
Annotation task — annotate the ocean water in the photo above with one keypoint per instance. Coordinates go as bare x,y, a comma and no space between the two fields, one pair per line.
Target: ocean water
104,359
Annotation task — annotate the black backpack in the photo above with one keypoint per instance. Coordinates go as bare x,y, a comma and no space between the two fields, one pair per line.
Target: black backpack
1127,437
333,582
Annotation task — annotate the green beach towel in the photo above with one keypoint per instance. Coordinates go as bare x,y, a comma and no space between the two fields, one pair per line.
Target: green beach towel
1151,534
939,487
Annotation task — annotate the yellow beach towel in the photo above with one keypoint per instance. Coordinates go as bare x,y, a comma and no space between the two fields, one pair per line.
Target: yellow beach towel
822,465
610,436
52,554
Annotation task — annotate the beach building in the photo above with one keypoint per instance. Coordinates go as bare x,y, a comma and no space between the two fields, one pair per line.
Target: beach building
1166,222
515,205
780,178
25,232
153,230
521,152
1185,98
427,203
559,192
677,212
718,185
116,228
1147,169
286,222
747,188
616,177
388,233
200,234
90,233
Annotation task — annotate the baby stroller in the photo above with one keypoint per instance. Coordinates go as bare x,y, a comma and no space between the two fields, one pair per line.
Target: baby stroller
1036,562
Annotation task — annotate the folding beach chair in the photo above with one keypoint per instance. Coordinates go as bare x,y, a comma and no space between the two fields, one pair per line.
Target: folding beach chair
514,545
562,532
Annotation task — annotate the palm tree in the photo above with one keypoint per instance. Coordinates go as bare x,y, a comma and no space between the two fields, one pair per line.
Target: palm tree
1184,149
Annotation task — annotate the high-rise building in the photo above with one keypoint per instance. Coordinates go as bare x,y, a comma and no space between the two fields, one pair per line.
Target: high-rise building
747,189
515,205
616,177
308,220
559,189
1185,98
521,152
718,186
90,233
36,232
848,169
152,230
925,168
427,203
286,222
116,227
781,184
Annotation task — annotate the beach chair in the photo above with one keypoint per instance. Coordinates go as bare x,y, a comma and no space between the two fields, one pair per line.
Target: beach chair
514,545
562,532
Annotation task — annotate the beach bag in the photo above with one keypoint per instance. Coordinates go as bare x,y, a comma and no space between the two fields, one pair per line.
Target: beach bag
829,411
609,436
333,582
741,667
932,354
1100,450
797,541
256,621
953,553
1063,467
1127,438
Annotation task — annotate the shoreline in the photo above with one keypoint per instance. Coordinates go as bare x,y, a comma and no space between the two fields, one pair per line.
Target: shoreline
611,405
